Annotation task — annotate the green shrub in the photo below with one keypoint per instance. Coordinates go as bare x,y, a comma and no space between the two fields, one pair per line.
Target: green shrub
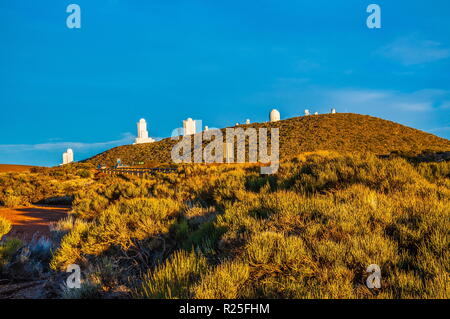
308,231
175,278
205,238
223,282
434,171
8,249
84,173
106,273
228,187
117,226
87,290
5,227
13,201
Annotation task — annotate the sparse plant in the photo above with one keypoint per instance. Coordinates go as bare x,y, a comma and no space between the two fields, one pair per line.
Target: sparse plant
87,290
224,231
5,227
175,278
8,248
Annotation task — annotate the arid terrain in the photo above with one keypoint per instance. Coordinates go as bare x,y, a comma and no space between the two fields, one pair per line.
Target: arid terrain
227,231
8,168
342,132
33,220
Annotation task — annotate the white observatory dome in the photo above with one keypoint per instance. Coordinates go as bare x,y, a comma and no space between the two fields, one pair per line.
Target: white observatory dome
274,116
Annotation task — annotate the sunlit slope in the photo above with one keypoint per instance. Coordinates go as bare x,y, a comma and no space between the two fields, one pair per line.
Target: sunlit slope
341,132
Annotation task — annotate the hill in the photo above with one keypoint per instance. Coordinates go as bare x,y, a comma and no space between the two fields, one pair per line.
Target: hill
335,132
226,231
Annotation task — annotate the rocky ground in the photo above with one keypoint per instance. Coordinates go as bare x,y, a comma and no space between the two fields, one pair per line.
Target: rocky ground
22,278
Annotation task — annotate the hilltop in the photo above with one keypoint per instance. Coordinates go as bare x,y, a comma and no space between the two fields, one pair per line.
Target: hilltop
335,132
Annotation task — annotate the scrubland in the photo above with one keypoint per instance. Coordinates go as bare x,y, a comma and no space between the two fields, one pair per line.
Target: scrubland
225,231
333,132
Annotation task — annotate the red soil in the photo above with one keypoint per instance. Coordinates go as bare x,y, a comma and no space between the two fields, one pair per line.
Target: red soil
6,168
34,219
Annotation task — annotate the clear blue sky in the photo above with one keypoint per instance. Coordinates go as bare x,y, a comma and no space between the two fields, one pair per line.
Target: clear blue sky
216,61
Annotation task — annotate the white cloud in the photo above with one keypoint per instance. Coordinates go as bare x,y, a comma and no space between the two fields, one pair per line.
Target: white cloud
418,101
445,105
297,95
443,129
353,96
411,50
54,146
415,107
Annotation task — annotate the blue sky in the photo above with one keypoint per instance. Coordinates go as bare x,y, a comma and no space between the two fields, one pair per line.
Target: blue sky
216,61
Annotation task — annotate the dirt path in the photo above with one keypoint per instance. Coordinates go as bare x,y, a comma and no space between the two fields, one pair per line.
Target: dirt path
27,290
6,168
29,220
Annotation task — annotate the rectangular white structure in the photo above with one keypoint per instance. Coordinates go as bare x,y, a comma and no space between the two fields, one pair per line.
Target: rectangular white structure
189,127
67,157
142,133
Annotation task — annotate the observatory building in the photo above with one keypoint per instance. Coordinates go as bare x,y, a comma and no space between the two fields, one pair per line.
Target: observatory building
189,127
274,116
67,157
142,133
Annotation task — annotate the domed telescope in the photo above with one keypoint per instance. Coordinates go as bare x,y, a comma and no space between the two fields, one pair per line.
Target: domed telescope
274,116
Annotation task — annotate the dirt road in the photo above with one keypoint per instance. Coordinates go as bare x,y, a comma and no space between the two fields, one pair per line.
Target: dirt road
29,220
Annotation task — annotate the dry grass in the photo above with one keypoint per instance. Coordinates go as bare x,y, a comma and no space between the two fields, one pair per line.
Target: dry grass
334,132
5,227
309,231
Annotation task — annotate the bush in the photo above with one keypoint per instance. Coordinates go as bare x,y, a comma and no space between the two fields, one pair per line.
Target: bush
5,227
84,173
224,231
13,201
41,249
87,290
8,249
223,282
175,278
118,226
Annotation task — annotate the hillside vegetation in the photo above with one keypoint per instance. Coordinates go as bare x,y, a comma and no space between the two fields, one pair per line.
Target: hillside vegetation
225,231
44,185
339,132
309,231
5,168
